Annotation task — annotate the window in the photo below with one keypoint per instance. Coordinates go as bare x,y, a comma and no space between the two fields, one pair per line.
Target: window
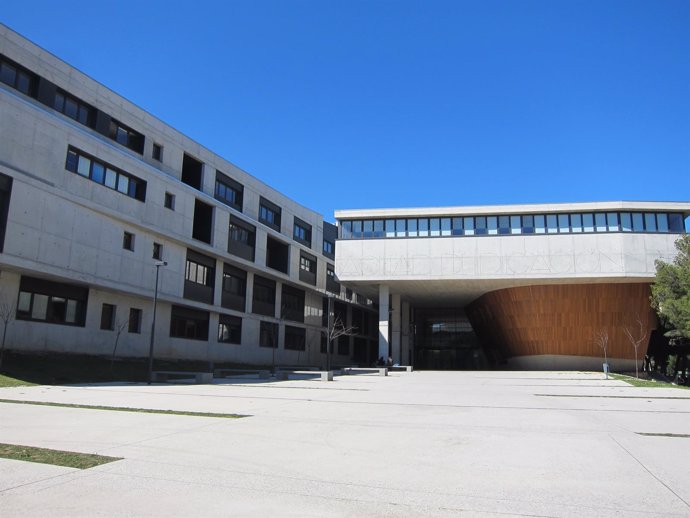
241,238
412,227
292,303
675,223
528,224
328,247
268,335
134,325
192,171
302,232
551,223
73,108
307,268
277,255
504,224
197,273
269,214
128,241
15,76
100,172
295,338
600,221
264,297
612,221
157,153
234,288
158,251
368,229
228,191
188,323
480,225
202,225
108,317
515,225
344,345
445,226
126,136
649,222
169,202
229,329
51,302
378,228
400,230
626,222
563,223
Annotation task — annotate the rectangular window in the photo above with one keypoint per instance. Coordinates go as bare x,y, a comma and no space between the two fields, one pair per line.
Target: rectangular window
241,238
563,223
74,108
295,338
576,222
528,224
588,222
400,228
346,230
17,77
368,229
264,297
458,229
197,273
157,153
307,268
192,171
551,223
82,164
434,227
480,225
412,228
301,232
328,247
515,225
307,264
228,191
200,276
626,222
169,202
638,222
612,221
390,228
51,302
504,224
378,228
188,323
492,225
650,222
229,329
445,226
108,317
268,335
332,283
662,222
292,303
600,220
423,225
157,251
675,222
468,224
128,241
357,229
540,224
134,324
269,214
126,136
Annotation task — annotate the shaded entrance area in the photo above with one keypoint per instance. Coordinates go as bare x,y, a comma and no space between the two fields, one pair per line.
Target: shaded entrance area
444,340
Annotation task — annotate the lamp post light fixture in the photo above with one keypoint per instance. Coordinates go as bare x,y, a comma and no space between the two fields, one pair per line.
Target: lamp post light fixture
158,265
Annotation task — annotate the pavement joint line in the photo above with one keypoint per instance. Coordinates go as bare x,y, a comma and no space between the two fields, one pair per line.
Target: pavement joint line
73,471
661,434
612,396
650,472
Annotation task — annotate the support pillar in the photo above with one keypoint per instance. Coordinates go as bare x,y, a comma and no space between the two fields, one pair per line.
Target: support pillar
383,321
396,334
405,327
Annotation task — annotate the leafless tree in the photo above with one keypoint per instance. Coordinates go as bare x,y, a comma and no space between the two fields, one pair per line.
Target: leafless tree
335,330
7,312
601,338
119,327
636,333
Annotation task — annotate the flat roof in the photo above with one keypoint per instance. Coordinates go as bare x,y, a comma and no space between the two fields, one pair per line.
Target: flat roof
540,208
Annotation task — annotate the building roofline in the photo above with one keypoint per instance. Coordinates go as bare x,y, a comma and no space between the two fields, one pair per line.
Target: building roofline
541,208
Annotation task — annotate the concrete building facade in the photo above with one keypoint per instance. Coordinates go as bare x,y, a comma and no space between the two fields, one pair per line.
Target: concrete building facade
95,191
530,285
98,197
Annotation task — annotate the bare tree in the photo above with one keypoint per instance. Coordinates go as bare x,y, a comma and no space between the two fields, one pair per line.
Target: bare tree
601,338
119,327
636,334
7,312
335,330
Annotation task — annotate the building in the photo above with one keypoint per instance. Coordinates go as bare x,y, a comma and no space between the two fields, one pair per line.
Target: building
94,191
96,195
530,285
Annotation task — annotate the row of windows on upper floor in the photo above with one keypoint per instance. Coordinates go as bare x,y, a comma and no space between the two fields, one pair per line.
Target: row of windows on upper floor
659,222
227,190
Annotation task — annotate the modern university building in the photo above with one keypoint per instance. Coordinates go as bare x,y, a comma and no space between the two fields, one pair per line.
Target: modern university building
100,202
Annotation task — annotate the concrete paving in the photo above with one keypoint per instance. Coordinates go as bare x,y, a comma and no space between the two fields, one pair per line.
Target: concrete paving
481,444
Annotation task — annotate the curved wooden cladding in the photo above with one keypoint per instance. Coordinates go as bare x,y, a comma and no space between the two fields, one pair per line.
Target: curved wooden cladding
562,319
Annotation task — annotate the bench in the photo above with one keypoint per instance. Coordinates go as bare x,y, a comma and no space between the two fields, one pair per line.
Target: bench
381,371
224,373
406,368
183,376
283,375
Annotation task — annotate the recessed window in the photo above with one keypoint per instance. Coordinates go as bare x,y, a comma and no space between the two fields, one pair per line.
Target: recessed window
292,303
16,77
229,329
264,298
302,232
158,251
73,108
234,288
169,202
295,338
128,241
241,238
268,335
134,324
188,323
328,247
307,268
192,171
269,214
228,191
108,317
51,302
100,172
157,153
126,136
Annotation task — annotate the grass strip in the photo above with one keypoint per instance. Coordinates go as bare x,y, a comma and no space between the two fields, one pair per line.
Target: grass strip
69,459
7,381
125,409
635,382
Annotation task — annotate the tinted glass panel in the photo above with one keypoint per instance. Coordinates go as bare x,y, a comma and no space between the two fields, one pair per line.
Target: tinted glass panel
675,222
650,222
412,227
576,222
540,224
445,226
600,220
423,227
378,228
552,223
400,228
626,222
612,221
588,222
469,225
457,227
638,222
662,222
435,227
492,224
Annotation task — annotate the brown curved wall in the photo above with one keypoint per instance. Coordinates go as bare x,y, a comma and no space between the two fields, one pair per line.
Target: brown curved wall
562,319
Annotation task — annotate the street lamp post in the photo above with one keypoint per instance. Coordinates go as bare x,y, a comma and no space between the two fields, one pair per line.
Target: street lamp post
158,265
329,333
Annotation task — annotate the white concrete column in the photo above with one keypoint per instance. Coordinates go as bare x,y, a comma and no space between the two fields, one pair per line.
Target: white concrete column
383,321
395,323
249,295
279,300
405,327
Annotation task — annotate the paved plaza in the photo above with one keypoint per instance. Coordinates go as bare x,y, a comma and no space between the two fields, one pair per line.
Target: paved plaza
411,444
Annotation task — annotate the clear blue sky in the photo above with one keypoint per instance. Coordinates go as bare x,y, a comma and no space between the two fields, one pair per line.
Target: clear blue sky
353,104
